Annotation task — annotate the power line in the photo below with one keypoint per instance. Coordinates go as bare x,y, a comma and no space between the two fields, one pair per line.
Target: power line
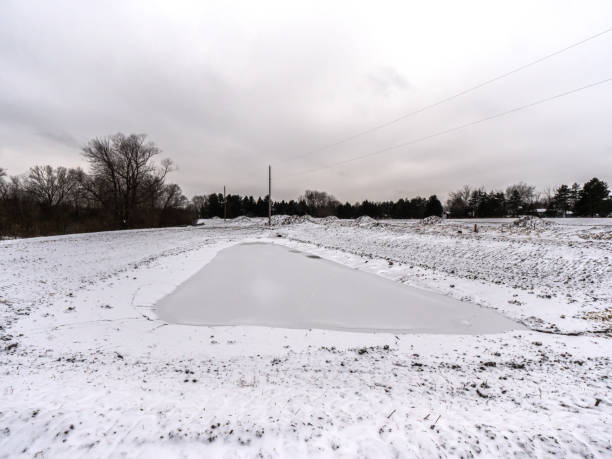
455,128
446,99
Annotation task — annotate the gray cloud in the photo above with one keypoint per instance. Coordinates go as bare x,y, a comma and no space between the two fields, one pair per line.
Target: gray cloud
387,80
227,90
63,138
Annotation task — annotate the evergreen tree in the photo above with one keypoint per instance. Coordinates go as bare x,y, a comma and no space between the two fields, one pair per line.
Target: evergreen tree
215,205
475,201
492,204
417,207
515,203
562,199
261,207
433,207
592,198
345,211
574,195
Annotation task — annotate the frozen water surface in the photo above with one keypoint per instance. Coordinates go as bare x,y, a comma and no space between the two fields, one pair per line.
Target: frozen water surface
269,285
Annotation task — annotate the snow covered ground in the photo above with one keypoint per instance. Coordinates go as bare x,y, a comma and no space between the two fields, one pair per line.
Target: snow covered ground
87,369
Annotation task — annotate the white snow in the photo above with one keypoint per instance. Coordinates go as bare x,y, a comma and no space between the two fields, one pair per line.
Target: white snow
87,368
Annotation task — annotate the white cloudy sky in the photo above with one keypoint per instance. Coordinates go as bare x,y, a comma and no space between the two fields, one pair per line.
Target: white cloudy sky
225,88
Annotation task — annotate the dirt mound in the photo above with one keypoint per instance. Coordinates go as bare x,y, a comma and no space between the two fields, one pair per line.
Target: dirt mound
242,219
329,220
281,219
529,221
292,219
366,222
432,220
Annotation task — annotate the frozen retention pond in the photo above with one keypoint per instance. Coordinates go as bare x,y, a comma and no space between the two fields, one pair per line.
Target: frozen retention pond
270,285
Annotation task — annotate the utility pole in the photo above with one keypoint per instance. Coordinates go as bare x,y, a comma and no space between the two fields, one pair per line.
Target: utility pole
224,205
269,195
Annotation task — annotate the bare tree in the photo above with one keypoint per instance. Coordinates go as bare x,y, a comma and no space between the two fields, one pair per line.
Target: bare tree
171,196
548,195
50,186
465,193
126,188
200,202
3,184
524,191
123,174
320,203
458,201
314,198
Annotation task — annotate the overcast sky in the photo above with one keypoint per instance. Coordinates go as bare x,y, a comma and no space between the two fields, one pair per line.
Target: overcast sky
225,88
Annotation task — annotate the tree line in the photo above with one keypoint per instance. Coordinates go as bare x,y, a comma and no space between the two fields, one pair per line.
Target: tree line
316,204
589,200
124,188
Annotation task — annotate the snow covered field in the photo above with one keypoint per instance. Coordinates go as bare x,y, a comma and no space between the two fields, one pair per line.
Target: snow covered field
87,368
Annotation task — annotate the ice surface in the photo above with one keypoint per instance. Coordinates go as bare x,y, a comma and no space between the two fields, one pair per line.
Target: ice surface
269,285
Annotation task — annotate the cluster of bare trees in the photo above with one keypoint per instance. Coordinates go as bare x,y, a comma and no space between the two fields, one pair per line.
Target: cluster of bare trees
320,203
124,188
